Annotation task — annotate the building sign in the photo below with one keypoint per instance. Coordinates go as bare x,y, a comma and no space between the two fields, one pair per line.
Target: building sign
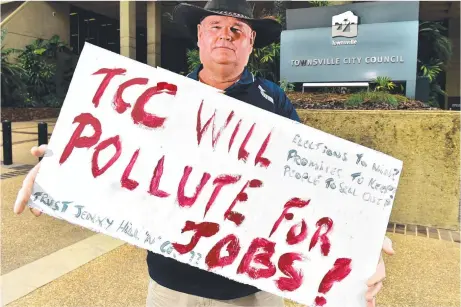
353,60
344,25
351,43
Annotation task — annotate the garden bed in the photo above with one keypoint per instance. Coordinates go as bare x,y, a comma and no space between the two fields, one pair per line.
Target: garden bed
330,101
27,114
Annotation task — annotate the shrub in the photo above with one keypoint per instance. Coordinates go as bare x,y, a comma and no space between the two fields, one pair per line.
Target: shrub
193,59
264,62
11,75
383,84
39,61
375,97
41,74
287,86
320,3
434,51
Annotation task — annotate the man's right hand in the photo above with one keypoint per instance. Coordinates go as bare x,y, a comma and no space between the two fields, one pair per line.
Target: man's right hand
26,189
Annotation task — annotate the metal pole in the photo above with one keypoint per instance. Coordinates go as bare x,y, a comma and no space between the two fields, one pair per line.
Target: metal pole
42,135
7,143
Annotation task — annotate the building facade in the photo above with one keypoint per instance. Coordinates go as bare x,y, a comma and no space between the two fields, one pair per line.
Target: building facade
143,30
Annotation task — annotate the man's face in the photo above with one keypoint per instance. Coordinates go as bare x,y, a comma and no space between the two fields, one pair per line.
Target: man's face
225,40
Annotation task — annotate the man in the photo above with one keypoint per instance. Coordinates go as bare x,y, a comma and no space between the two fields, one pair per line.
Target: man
226,34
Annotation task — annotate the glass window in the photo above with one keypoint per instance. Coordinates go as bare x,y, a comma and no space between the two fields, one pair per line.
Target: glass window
94,28
74,31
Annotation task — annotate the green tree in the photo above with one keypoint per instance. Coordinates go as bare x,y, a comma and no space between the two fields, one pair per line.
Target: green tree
11,75
38,72
47,74
265,62
193,59
434,52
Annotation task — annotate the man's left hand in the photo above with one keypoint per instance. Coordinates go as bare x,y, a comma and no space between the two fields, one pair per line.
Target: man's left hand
375,283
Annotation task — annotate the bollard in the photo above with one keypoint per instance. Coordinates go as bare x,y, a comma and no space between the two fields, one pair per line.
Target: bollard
42,135
7,143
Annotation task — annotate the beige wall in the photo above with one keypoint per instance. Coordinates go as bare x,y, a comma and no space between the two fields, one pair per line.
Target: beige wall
427,142
453,70
36,19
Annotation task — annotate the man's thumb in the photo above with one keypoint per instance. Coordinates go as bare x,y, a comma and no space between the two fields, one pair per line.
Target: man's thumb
387,246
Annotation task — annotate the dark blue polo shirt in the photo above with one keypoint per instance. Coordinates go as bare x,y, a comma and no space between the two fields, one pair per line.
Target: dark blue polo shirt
259,92
184,278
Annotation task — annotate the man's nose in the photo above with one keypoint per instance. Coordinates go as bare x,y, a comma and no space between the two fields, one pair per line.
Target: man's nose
226,34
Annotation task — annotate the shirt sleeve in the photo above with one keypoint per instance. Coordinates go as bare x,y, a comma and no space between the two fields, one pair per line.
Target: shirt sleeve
285,108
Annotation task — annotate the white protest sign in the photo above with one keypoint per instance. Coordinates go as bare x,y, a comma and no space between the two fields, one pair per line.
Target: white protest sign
159,161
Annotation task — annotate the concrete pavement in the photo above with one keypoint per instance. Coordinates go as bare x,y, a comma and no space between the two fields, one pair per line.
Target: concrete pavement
423,273
50,267
26,238
48,262
118,278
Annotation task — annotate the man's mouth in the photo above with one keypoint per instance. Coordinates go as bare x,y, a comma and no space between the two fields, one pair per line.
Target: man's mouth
222,47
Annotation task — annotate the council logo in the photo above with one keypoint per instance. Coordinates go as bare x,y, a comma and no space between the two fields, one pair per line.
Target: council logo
345,25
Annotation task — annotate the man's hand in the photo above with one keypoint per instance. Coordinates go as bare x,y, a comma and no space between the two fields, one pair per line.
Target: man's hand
26,189
375,283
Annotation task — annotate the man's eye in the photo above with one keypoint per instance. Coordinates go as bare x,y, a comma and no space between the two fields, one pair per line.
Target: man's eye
235,30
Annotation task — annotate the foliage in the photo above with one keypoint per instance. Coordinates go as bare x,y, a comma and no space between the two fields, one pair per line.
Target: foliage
383,84
280,11
431,71
433,43
434,52
193,59
287,86
39,73
11,74
320,3
52,100
332,90
39,79
329,101
264,62
277,12
375,97
60,54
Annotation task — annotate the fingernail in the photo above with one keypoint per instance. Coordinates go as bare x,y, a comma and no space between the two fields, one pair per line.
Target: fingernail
15,207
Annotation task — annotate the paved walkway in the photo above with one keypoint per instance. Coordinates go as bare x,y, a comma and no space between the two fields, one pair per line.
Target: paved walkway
67,265
423,273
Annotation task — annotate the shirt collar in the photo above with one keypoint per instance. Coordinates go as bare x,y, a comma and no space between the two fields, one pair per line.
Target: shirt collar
246,78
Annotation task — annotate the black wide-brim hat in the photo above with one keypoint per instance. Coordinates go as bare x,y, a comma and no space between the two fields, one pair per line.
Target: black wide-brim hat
267,30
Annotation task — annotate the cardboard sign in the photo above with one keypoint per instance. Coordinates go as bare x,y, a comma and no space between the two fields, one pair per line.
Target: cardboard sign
176,167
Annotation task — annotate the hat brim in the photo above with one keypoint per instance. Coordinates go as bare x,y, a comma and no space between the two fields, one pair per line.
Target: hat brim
267,30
